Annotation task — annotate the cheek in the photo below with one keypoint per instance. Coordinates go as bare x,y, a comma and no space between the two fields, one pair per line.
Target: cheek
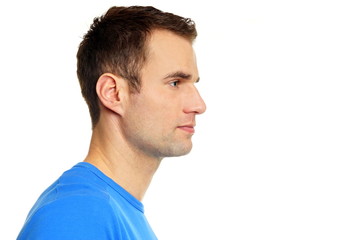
147,114
156,110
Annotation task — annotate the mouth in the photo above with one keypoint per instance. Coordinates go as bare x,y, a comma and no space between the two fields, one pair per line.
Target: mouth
188,128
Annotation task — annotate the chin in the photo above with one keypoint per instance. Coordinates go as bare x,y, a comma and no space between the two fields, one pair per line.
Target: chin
177,151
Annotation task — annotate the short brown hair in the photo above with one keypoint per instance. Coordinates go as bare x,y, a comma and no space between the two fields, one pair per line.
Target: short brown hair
116,43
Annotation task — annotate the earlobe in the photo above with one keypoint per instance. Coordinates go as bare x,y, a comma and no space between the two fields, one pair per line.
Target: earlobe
110,90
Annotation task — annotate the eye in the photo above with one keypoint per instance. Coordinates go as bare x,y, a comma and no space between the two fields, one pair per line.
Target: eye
174,83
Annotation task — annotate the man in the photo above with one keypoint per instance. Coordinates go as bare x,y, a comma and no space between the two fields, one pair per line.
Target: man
137,71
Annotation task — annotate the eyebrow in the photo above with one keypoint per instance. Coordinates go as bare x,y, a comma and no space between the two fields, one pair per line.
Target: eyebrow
179,74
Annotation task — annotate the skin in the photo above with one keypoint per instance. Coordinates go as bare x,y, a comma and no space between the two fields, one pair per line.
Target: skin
137,130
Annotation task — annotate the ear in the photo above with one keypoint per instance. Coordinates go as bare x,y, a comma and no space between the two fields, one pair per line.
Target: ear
112,91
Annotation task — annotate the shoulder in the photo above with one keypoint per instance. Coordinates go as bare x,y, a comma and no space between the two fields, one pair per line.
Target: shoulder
86,217
77,204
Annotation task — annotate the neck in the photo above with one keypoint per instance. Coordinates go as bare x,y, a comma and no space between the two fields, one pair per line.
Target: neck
112,155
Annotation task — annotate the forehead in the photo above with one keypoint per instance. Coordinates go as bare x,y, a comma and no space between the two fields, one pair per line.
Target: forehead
168,52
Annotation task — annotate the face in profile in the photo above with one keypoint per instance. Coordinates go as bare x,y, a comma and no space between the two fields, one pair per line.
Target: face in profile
160,119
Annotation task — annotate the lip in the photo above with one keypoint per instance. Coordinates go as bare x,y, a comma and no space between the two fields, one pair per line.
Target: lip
188,128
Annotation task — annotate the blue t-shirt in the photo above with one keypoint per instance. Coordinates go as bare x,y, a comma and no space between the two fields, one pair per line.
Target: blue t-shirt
85,204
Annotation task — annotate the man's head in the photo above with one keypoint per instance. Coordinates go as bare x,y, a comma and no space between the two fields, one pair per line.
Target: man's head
137,71
117,43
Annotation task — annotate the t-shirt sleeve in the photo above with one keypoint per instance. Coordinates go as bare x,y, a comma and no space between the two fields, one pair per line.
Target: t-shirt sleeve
75,218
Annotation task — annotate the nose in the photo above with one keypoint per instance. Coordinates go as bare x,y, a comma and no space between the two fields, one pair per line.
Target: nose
194,103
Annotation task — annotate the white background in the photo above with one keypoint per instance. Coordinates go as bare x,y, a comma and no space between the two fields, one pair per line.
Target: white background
276,156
